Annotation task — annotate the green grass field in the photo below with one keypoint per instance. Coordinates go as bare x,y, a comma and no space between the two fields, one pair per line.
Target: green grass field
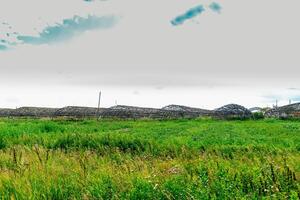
149,159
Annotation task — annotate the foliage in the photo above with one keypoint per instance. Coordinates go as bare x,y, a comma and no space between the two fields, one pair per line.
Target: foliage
258,115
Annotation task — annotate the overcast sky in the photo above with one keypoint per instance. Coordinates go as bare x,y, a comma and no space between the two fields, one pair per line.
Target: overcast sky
149,52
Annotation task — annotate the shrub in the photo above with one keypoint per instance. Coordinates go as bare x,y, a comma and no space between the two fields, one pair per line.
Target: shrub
258,115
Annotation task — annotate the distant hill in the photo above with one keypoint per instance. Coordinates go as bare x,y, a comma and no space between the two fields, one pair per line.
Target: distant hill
233,111
288,111
185,109
172,111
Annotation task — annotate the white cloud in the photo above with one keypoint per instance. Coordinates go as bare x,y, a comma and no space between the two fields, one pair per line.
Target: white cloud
248,34
253,43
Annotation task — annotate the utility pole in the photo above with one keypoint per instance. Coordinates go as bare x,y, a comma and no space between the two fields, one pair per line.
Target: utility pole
98,109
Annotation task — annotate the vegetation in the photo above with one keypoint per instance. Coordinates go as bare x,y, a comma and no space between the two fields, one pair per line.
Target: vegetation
258,115
149,159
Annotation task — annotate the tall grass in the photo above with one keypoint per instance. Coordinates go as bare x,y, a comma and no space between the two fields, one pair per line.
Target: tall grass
149,159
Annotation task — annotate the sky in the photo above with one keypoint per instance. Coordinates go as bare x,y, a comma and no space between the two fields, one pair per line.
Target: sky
149,53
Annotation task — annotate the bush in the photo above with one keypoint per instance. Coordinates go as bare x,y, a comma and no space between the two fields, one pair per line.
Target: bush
258,115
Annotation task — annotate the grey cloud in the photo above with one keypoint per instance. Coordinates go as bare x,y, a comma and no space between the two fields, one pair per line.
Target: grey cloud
231,53
294,89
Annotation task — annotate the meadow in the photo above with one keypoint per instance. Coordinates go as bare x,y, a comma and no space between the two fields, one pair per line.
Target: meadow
149,159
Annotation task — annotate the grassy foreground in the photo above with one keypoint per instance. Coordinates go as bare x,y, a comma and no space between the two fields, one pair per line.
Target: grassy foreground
149,159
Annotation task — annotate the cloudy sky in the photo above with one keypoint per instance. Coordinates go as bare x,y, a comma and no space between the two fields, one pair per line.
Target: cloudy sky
149,52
